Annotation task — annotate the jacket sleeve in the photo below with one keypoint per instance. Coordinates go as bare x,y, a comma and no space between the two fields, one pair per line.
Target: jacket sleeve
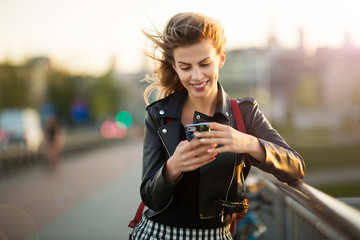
281,160
155,192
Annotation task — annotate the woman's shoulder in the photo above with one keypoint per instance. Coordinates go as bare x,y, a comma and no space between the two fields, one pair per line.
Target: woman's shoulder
174,100
158,103
246,101
248,106
166,106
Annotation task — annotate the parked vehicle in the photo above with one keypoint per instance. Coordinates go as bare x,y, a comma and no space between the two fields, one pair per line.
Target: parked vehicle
21,125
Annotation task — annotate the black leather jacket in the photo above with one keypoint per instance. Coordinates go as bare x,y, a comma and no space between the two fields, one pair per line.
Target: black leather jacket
218,179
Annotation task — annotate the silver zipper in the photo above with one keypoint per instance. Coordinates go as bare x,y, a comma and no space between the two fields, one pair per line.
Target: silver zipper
163,142
228,190
232,178
156,213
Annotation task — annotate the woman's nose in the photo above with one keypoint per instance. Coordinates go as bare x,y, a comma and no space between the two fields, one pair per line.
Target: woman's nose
196,73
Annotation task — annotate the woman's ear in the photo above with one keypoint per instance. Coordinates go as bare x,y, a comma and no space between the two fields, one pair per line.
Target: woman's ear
174,67
222,59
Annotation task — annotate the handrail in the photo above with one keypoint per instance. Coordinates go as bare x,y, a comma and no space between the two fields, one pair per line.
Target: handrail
339,216
17,156
336,214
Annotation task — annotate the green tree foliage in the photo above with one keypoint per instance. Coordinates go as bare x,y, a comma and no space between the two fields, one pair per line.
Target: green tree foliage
105,97
61,92
307,94
13,87
102,94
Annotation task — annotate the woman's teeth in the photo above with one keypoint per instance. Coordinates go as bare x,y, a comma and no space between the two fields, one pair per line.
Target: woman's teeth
200,85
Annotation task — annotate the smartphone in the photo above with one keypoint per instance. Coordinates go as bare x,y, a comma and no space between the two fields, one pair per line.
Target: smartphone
199,127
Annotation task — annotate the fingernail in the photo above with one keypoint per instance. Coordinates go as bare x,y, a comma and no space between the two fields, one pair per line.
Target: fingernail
197,134
202,140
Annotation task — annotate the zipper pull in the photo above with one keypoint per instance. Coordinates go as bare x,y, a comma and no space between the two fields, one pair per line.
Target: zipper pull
222,215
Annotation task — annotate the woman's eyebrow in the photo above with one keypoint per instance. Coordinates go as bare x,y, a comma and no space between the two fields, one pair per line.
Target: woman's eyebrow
204,59
180,62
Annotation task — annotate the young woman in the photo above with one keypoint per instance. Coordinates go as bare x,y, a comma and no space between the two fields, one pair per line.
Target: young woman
183,181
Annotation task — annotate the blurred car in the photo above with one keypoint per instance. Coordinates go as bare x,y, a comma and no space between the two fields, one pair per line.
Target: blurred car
21,126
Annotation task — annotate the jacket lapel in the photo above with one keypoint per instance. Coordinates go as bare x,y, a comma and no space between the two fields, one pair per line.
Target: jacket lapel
168,133
172,108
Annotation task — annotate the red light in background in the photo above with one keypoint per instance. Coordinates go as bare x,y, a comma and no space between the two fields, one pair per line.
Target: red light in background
117,132
105,129
109,129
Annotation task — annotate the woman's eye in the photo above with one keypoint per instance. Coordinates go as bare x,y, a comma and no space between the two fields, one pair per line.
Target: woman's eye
185,68
205,64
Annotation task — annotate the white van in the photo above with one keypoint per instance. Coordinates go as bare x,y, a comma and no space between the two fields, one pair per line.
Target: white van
22,125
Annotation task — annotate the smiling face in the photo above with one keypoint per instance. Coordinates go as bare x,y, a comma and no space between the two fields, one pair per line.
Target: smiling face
197,66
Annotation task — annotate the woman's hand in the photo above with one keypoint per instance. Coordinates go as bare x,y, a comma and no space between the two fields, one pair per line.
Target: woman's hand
231,140
188,156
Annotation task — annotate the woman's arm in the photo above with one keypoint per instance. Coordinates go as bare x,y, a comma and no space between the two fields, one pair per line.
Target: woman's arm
281,160
266,148
155,192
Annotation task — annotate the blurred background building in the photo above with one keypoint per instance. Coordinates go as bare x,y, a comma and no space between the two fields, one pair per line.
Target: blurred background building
296,91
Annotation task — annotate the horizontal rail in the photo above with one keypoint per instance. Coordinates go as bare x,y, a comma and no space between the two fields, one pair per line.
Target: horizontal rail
18,156
307,212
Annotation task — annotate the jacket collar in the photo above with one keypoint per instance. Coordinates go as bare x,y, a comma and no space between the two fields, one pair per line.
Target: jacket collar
171,106
223,107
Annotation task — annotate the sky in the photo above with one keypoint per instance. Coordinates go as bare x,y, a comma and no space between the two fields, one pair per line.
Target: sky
83,36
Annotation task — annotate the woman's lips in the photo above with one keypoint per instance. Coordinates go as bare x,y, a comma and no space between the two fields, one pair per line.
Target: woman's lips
200,86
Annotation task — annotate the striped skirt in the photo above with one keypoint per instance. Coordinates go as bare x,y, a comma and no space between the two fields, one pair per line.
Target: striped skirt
150,230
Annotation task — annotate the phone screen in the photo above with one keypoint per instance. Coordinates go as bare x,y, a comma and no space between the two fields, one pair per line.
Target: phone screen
199,127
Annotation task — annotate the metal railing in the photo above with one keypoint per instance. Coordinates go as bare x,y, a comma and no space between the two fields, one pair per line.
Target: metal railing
18,156
299,211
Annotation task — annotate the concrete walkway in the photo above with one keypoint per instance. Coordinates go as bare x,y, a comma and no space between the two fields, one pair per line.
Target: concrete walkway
93,195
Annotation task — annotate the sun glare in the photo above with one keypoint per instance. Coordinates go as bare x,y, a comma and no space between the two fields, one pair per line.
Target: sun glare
94,31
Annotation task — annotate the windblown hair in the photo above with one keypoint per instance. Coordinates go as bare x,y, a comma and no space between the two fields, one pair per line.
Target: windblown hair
182,29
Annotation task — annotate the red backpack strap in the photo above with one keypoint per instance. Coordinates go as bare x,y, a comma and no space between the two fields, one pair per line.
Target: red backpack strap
138,216
237,114
141,207
241,127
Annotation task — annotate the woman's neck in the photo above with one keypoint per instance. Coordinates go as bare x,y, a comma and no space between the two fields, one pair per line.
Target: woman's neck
206,106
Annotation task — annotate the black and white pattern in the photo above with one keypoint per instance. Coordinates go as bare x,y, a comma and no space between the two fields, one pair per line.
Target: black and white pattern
150,230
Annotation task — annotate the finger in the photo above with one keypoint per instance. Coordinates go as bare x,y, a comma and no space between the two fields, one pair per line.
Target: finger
212,134
201,161
187,154
201,155
221,131
202,149
220,150
189,146
195,143
216,141
217,126
183,143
